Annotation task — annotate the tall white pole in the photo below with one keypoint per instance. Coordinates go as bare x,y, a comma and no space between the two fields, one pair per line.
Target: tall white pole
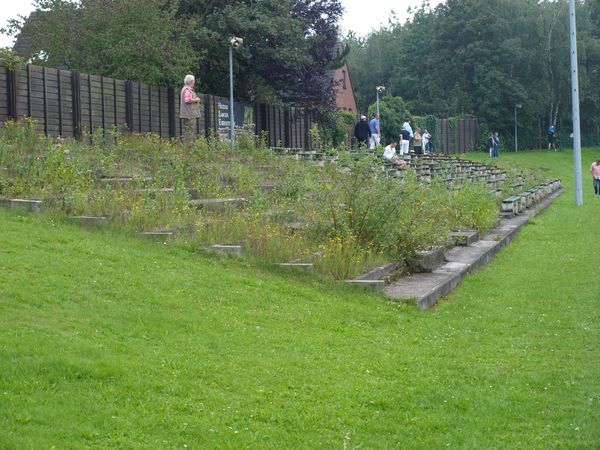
378,101
575,105
231,116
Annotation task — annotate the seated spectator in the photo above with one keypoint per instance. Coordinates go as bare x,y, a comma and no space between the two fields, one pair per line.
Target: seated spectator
389,154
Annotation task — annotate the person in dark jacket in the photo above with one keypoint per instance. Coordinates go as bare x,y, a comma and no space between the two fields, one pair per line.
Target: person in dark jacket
362,132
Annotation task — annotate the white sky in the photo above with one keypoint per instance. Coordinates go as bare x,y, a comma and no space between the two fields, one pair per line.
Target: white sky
361,16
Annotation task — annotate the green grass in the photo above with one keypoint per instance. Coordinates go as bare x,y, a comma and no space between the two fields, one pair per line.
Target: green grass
111,342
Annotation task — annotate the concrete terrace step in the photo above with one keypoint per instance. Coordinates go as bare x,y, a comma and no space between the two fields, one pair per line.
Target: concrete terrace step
297,265
425,289
92,221
124,180
224,249
158,236
217,202
465,238
22,203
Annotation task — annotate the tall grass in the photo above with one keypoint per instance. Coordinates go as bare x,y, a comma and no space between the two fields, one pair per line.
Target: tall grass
346,217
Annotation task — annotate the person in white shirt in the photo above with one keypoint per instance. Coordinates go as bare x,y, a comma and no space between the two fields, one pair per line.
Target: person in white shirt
389,154
426,137
406,126
405,136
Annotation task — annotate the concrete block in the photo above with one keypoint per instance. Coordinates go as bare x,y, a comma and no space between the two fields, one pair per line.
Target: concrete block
267,187
22,203
464,238
297,266
217,203
114,181
381,272
231,250
90,221
427,260
158,236
376,285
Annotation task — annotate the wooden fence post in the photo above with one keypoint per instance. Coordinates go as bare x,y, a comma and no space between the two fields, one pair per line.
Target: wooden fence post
286,127
60,117
171,107
129,104
207,118
91,111
11,94
264,123
306,129
76,95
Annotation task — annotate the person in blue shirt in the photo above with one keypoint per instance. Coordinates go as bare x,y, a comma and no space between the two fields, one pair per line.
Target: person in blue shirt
375,132
551,138
496,149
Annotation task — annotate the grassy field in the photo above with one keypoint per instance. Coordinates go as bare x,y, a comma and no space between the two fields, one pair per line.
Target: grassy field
111,342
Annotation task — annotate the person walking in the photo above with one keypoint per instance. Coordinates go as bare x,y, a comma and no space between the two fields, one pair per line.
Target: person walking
362,132
490,144
496,149
551,138
189,110
595,170
375,132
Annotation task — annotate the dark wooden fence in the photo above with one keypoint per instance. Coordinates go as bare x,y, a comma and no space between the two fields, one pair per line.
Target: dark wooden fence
73,104
457,135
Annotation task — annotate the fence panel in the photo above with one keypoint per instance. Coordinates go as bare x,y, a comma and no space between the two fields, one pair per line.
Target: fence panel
69,104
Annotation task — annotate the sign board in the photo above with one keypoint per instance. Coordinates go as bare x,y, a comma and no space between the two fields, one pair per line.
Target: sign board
244,115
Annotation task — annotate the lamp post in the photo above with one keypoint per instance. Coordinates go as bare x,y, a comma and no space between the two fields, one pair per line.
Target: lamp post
234,42
518,105
575,105
379,90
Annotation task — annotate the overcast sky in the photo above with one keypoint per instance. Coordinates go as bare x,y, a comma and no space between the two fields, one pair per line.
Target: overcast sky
361,16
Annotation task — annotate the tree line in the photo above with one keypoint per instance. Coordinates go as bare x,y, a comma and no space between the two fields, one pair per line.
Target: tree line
486,59
287,51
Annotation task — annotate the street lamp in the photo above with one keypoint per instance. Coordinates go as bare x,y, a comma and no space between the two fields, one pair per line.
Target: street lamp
379,90
518,105
234,42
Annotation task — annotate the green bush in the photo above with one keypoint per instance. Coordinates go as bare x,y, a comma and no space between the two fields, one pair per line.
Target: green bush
392,112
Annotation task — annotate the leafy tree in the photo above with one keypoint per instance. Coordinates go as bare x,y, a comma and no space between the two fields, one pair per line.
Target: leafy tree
9,59
484,58
289,45
129,39
287,52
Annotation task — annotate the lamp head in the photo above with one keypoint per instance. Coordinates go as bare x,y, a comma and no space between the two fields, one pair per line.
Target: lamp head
236,42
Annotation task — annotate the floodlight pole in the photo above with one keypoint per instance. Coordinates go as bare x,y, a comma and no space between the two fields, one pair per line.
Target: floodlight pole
379,89
231,117
516,140
575,105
